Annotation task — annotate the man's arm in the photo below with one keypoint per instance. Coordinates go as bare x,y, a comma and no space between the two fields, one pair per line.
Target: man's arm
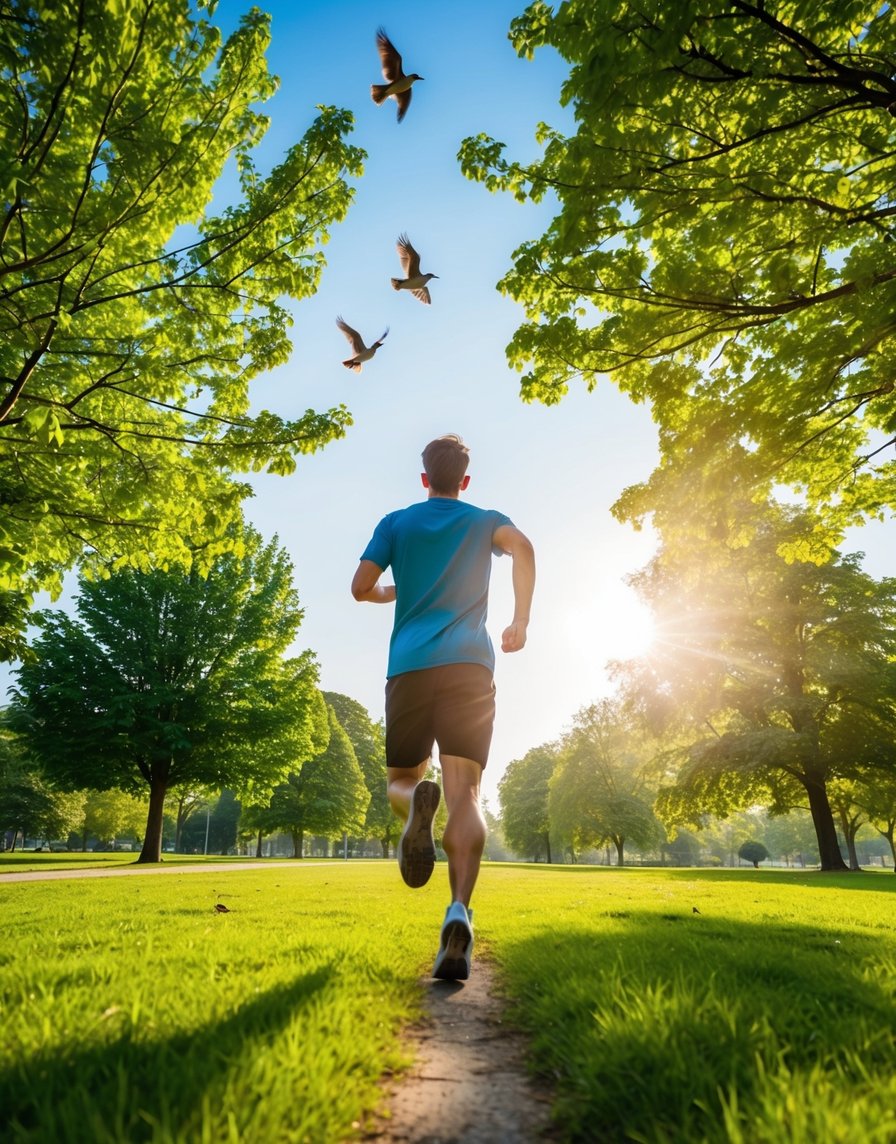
366,586
519,548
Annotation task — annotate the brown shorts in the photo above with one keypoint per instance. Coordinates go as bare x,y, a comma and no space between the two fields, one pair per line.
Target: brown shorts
453,706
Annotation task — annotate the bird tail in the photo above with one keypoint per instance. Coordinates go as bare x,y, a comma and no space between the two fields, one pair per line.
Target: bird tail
352,365
378,92
396,283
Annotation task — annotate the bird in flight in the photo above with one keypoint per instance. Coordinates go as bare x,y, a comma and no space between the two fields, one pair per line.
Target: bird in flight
362,353
410,264
398,85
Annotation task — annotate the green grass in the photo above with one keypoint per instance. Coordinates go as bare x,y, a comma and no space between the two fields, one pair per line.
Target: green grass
767,1017
133,1012
22,861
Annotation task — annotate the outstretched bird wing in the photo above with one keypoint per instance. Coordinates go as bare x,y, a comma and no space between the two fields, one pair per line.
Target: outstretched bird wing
391,62
353,336
410,259
423,295
379,341
403,99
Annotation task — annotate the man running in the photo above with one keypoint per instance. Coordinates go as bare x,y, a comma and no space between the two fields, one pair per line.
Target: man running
439,686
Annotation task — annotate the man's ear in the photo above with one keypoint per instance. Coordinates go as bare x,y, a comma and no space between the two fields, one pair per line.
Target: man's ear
464,483
425,479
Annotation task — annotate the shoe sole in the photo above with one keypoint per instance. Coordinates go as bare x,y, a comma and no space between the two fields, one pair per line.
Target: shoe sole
416,849
453,964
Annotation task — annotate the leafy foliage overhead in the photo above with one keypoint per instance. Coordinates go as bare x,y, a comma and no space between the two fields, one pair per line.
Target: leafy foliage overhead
723,243
135,308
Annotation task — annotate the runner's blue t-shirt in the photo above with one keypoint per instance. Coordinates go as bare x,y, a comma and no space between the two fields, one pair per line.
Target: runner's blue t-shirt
440,551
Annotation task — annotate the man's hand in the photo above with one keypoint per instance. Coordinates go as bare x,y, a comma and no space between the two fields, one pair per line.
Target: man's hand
513,638
366,586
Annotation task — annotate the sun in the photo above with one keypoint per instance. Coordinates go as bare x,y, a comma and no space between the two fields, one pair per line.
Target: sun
623,628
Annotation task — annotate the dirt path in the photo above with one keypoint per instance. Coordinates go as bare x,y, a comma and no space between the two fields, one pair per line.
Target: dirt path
469,1083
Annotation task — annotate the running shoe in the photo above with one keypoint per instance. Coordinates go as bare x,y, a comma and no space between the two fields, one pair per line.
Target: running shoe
416,849
455,944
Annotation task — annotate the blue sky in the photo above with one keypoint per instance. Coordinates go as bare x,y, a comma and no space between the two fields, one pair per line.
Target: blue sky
442,369
554,471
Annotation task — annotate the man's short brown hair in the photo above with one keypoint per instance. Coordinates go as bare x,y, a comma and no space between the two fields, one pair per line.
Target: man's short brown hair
445,461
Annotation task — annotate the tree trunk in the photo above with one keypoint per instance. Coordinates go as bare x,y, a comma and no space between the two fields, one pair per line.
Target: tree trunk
152,840
620,850
547,847
889,834
258,846
298,843
823,821
851,849
384,842
850,828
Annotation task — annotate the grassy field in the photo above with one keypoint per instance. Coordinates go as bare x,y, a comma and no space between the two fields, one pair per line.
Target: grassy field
663,1006
22,861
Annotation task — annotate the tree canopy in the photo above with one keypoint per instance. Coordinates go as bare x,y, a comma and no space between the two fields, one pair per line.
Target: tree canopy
523,793
600,790
324,794
169,678
368,740
775,677
140,294
722,246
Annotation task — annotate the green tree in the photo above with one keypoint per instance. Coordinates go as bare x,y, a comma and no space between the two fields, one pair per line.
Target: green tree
600,790
29,805
523,794
722,243
877,796
188,800
170,678
215,830
753,851
850,815
783,673
792,837
496,849
327,796
108,814
138,300
722,837
369,742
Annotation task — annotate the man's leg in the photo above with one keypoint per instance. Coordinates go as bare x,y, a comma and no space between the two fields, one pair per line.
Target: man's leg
465,832
415,801
400,783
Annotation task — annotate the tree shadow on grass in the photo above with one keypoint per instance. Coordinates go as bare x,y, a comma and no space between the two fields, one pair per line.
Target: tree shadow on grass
663,1028
129,1088
881,880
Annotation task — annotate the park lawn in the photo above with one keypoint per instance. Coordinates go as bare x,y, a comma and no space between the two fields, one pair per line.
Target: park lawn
24,861
738,1007
132,1011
